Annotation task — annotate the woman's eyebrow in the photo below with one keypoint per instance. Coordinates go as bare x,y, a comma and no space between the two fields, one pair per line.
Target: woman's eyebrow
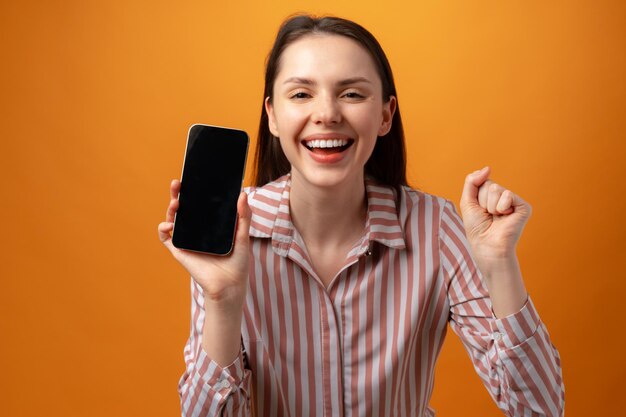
354,80
299,80
307,81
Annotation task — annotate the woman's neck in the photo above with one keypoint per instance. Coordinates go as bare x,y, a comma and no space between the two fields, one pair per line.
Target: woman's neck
331,216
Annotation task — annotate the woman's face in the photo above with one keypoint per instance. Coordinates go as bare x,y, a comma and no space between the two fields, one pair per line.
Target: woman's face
327,109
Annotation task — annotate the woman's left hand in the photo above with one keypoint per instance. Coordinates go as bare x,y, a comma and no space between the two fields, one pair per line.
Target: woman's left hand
494,218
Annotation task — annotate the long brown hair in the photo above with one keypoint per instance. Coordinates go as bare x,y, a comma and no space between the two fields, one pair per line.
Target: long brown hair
387,164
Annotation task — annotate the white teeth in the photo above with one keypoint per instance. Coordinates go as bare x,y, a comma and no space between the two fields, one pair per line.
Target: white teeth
326,143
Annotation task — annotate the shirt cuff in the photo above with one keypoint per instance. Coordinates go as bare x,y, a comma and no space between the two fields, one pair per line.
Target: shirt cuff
511,331
222,380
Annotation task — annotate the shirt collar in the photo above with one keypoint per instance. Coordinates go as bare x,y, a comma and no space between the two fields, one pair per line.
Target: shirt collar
271,217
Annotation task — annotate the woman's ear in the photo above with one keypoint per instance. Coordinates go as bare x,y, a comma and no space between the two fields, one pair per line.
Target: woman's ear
389,109
269,109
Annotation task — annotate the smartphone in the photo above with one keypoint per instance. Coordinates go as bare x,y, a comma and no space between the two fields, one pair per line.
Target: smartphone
213,170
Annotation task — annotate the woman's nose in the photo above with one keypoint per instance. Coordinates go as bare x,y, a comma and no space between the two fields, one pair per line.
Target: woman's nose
326,111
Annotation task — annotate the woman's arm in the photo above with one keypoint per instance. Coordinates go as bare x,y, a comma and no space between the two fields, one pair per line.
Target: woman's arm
215,381
209,388
494,218
490,311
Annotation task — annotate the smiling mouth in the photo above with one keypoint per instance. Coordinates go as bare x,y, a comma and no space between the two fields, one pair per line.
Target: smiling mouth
327,146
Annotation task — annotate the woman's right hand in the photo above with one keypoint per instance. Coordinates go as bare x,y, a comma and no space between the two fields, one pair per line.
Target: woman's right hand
222,278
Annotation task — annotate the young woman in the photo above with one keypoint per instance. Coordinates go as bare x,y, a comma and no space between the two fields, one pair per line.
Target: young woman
336,298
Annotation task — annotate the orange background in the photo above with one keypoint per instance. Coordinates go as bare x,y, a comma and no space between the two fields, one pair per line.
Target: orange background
96,98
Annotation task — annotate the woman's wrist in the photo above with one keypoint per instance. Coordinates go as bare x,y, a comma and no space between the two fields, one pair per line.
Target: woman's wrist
224,291
225,301
497,266
221,334
503,278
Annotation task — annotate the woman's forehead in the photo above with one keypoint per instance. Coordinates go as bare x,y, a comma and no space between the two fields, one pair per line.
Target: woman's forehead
326,55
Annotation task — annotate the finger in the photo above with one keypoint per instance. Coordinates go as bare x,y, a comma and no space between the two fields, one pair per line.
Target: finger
519,205
171,210
493,197
174,188
165,231
472,183
505,203
244,214
483,194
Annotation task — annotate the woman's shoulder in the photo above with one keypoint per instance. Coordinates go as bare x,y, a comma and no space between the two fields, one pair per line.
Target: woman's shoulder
271,189
412,202
405,196
415,194
271,192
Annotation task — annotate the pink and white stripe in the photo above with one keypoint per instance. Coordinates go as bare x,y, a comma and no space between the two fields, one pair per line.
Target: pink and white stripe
367,344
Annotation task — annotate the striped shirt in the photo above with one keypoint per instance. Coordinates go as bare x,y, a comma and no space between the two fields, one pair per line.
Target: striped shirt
367,344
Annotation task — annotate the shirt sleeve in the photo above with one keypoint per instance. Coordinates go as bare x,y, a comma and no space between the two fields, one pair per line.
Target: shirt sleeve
513,355
206,389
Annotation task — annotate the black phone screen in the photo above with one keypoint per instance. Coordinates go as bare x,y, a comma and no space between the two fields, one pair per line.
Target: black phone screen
213,171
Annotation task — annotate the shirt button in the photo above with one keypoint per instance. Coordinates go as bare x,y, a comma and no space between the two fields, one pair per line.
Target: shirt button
497,335
220,385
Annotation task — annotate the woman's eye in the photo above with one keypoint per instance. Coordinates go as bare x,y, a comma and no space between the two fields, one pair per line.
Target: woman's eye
299,95
353,95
